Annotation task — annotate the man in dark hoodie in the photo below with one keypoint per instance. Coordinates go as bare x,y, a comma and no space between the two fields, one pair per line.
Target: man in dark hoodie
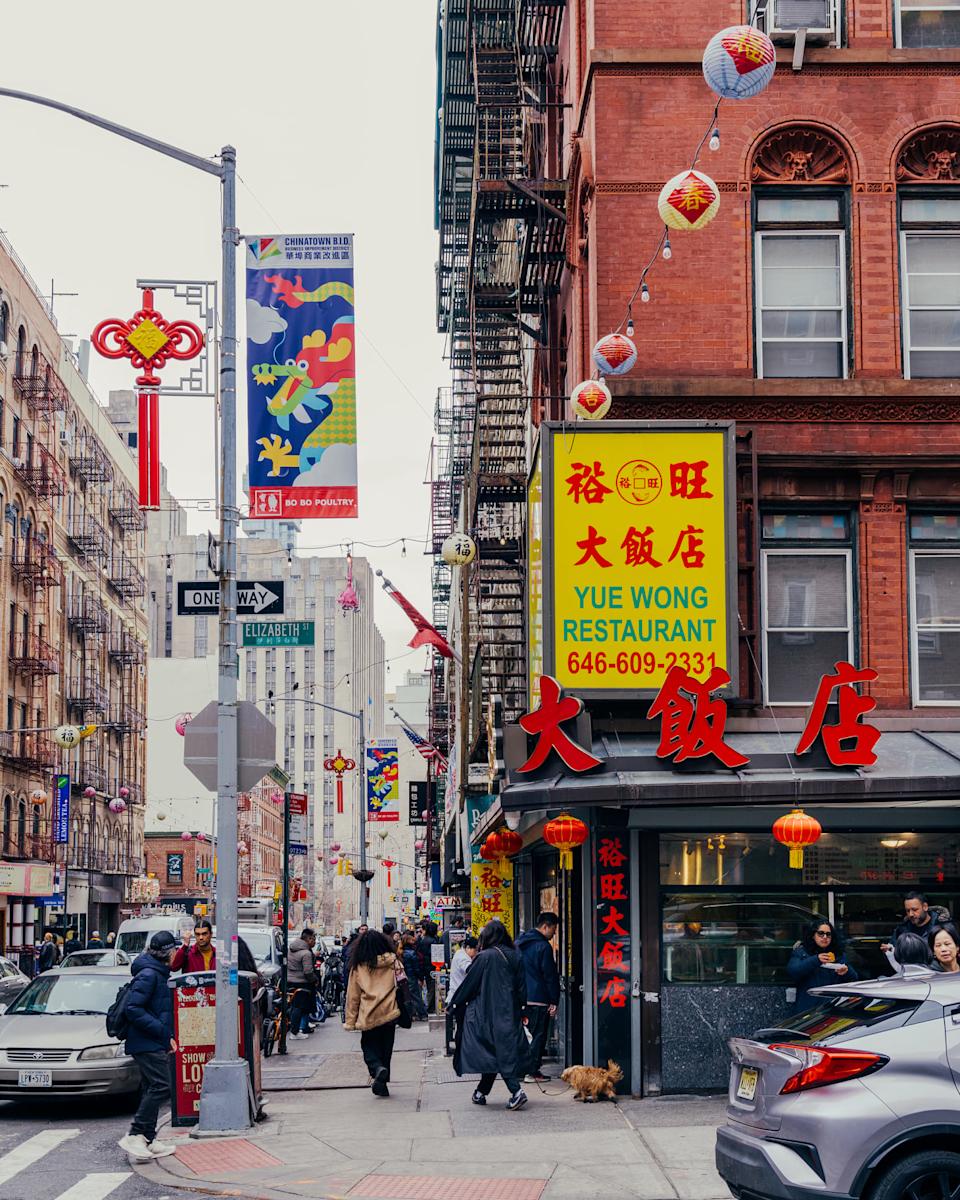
149,1012
543,988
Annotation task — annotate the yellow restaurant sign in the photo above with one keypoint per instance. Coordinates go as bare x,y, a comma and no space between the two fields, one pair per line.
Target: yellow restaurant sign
639,553
491,894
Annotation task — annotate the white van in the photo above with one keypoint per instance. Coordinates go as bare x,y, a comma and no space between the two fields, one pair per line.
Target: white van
136,932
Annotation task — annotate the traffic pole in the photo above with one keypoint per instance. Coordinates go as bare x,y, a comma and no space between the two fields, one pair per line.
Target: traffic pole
285,903
226,1099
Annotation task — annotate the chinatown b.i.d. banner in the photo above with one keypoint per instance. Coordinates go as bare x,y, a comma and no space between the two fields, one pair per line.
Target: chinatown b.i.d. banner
301,376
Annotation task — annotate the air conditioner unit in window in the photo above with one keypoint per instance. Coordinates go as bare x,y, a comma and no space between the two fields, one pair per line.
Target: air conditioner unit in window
784,19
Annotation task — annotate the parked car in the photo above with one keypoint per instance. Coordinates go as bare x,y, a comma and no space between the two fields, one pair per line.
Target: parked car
266,946
12,981
97,958
54,1041
888,1050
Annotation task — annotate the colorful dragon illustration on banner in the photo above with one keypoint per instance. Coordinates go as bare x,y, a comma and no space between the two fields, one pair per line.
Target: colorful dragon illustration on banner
302,377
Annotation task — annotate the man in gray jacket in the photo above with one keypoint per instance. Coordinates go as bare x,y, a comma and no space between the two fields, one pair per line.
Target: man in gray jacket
302,980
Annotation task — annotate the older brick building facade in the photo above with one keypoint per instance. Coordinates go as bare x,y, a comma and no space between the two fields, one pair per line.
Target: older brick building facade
819,311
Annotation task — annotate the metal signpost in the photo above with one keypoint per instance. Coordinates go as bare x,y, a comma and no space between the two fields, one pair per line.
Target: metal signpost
227,1100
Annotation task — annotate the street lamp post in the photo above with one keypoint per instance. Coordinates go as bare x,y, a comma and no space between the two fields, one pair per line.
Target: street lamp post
226,1099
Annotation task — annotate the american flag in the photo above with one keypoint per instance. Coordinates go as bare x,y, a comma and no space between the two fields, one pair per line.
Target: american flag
427,750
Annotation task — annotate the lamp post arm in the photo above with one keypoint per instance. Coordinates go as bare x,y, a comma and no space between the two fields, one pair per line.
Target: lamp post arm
143,139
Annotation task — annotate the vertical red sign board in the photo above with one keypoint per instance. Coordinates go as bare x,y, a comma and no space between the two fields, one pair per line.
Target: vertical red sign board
194,1024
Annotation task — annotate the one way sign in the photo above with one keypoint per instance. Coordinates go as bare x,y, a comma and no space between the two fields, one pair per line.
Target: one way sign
254,598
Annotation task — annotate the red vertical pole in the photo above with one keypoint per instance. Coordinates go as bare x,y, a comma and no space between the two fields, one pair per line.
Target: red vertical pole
339,793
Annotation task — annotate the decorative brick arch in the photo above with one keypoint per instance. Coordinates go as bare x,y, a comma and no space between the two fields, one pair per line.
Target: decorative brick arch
930,155
801,154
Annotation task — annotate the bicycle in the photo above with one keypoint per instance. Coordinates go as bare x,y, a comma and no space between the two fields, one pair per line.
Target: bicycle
275,1021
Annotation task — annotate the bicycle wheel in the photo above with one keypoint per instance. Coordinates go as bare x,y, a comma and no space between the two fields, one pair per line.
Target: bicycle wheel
269,1036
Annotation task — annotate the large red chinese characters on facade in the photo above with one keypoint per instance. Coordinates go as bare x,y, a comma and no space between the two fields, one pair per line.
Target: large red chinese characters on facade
149,340
545,723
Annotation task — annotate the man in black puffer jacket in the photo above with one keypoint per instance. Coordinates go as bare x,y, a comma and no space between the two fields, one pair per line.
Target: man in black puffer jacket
543,987
149,1011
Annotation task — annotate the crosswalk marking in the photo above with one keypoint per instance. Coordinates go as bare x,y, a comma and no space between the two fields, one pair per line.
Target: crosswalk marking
95,1186
32,1150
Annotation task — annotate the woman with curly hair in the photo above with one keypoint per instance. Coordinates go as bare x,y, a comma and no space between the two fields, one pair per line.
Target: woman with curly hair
817,960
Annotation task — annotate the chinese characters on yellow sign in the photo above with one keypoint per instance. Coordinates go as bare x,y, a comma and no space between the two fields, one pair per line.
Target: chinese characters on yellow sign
640,553
491,894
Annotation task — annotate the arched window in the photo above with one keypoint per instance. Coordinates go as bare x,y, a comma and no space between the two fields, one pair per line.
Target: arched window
21,827
4,320
35,834
801,213
21,351
34,362
7,843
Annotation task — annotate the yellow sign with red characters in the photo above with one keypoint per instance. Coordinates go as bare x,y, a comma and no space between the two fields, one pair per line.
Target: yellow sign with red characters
640,553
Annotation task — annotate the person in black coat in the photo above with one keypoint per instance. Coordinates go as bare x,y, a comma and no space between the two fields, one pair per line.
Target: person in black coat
149,1012
489,1004
543,987
71,942
820,945
49,953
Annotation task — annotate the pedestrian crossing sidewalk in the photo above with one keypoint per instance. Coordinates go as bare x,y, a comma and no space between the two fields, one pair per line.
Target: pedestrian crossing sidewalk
21,1168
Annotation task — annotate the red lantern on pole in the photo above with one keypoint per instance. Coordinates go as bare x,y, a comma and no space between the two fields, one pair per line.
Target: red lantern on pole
565,833
503,844
796,829
389,864
486,853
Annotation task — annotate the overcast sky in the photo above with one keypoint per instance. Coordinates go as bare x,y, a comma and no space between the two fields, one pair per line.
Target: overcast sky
331,107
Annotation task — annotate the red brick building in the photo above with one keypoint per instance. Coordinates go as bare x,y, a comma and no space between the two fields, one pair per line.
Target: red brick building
184,869
820,312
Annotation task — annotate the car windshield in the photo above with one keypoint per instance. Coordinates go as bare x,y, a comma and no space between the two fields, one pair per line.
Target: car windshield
67,995
260,942
849,1015
134,941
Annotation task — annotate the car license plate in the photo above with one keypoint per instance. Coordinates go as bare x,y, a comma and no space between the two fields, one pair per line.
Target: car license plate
36,1079
749,1078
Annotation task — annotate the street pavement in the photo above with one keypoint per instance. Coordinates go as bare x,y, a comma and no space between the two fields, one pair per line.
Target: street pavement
326,1136
68,1151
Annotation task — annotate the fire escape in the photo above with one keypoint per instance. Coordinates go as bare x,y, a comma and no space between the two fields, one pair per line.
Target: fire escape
517,230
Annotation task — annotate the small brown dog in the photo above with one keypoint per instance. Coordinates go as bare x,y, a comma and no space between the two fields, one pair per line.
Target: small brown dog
590,1083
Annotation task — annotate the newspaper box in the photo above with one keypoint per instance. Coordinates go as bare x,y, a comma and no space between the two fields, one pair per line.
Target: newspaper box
194,1031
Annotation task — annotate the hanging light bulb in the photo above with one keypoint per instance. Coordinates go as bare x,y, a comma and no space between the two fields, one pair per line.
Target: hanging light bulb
667,248
403,548
715,138
630,329
644,293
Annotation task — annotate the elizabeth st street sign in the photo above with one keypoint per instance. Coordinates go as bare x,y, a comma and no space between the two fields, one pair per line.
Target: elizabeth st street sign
254,598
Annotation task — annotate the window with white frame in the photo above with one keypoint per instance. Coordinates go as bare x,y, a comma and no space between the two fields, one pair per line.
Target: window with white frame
930,268
927,24
935,607
801,286
807,602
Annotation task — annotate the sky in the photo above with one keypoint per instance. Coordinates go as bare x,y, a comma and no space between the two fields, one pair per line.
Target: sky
331,108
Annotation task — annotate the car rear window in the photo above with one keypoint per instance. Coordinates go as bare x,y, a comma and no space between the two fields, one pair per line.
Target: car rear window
848,1016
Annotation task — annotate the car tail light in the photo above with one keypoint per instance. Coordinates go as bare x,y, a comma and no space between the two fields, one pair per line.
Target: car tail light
821,1066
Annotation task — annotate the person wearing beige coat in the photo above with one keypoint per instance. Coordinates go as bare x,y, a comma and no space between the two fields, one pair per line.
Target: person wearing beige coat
371,1004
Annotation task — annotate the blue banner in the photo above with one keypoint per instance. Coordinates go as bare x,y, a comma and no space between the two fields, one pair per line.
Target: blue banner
61,811
301,381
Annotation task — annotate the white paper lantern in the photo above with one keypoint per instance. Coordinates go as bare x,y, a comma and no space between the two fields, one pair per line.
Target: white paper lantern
37,797
688,201
66,736
458,550
591,399
739,62
614,354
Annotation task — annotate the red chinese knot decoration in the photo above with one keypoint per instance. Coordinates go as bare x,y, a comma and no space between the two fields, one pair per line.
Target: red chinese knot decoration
389,864
796,829
565,833
338,764
149,341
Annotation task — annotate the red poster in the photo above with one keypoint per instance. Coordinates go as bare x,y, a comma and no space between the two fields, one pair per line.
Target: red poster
194,1024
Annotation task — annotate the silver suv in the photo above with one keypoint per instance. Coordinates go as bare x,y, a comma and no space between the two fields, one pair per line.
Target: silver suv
859,1097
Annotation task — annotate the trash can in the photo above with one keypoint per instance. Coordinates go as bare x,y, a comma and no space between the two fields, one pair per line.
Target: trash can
194,1031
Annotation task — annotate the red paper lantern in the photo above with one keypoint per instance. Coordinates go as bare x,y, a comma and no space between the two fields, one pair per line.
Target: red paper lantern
486,853
565,833
796,829
503,844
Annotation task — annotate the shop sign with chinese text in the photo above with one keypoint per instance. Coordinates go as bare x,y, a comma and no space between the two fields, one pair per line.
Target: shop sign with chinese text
491,894
639,554
612,945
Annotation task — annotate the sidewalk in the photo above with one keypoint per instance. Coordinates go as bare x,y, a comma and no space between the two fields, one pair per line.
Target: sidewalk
327,1137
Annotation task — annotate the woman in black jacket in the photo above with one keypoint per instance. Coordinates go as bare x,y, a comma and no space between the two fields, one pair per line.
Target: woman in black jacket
816,961
490,1004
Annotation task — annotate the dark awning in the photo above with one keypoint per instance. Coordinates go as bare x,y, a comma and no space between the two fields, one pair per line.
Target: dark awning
910,765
